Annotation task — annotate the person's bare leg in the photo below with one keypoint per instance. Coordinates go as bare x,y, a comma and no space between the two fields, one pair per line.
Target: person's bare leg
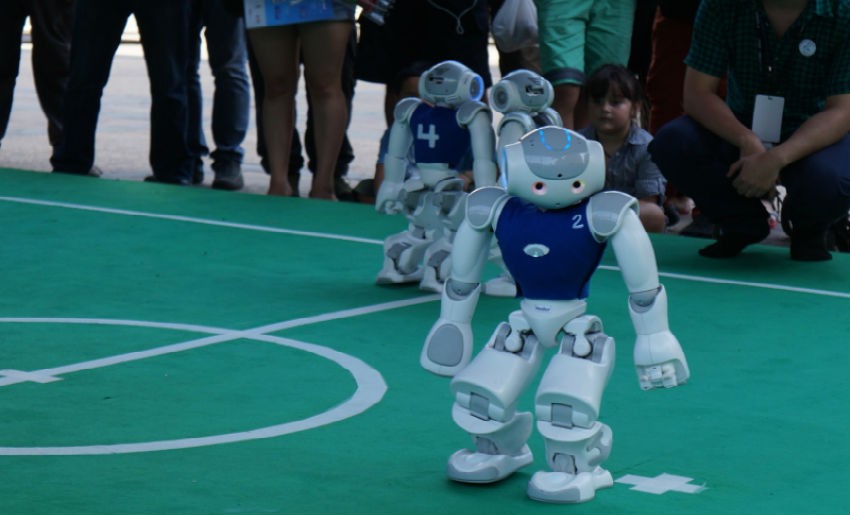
565,102
276,49
652,217
323,50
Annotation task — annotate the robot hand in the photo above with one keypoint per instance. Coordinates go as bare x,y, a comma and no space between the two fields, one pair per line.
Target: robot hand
447,348
660,361
388,200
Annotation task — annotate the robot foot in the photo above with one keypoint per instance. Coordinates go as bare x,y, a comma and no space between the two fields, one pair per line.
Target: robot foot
502,286
430,283
468,466
389,275
561,487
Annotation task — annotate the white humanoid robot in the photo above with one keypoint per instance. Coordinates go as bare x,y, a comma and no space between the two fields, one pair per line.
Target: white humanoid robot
440,128
552,225
524,98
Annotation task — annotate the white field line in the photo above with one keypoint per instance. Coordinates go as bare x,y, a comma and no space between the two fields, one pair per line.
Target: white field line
178,218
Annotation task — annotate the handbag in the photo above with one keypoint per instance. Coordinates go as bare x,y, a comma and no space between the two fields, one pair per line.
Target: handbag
515,25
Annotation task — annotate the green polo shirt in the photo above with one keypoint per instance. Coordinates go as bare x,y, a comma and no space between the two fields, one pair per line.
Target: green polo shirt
811,62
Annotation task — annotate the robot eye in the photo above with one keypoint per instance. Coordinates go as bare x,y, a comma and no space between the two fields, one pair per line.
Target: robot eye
539,188
578,187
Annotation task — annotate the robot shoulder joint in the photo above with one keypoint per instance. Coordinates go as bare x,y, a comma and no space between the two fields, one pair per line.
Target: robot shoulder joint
468,111
405,107
606,211
482,204
550,117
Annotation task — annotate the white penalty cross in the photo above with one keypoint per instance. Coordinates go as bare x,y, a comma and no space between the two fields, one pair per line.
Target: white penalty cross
661,483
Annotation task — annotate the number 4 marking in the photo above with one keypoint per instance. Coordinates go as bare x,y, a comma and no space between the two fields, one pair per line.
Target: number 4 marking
431,135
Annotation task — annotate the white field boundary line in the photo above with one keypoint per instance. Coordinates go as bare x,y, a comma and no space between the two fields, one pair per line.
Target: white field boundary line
218,335
262,228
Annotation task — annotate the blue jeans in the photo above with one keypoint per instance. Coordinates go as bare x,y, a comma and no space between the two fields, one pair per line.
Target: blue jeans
227,49
696,161
98,25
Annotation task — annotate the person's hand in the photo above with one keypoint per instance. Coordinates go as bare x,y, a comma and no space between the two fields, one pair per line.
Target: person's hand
756,172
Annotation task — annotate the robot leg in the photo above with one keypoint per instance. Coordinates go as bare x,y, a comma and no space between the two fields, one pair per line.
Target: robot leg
448,200
404,251
486,393
567,407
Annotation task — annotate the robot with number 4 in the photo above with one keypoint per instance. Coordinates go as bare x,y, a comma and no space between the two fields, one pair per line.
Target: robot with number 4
439,128
552,226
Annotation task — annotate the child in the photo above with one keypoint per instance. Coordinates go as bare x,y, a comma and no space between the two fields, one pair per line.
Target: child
614,99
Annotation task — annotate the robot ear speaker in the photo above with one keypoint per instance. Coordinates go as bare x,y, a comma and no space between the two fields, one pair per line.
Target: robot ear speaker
502,95
476,88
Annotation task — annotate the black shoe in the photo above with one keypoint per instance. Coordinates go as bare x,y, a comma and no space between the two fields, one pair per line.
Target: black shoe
179,182
94,171
809,245
228,176
730,244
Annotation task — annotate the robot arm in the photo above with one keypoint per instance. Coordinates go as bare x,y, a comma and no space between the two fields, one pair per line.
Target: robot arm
512,127
389,199
659,359
476,117
448,346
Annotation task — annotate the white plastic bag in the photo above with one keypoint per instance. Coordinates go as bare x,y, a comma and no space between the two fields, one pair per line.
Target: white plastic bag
515,25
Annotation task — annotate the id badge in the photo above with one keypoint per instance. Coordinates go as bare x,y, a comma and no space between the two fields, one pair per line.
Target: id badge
767,118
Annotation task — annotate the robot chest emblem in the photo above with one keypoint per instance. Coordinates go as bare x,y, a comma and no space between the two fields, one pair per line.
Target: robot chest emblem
536,250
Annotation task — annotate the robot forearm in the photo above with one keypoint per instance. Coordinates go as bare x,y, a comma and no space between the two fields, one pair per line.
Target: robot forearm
659,359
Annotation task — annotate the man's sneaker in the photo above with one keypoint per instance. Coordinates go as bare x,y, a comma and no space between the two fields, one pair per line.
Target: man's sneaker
228,176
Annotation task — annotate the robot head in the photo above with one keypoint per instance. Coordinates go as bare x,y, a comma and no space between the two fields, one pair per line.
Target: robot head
521,90
553,167
450,84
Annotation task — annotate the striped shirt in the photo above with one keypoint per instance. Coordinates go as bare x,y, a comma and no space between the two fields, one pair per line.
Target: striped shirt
808,64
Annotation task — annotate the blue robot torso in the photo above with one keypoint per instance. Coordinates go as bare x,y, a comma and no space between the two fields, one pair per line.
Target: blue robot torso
551,254
437,137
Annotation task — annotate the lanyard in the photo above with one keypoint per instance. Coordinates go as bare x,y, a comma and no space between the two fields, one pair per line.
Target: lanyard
767,61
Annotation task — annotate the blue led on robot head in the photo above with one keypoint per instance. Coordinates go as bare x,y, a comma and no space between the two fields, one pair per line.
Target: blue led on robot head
552,153
476,88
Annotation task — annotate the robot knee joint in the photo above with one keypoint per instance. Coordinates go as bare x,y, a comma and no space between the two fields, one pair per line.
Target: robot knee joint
490,385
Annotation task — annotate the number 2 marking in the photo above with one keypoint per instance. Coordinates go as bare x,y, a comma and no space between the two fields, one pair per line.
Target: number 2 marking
577,224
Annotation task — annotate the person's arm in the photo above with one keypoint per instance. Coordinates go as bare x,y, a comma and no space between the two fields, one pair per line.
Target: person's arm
756,174
819,131
702,102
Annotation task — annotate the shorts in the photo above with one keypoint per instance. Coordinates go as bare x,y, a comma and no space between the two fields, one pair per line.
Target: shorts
419,34
578,36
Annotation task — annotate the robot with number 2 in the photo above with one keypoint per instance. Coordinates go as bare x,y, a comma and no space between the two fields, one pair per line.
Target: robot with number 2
552,225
